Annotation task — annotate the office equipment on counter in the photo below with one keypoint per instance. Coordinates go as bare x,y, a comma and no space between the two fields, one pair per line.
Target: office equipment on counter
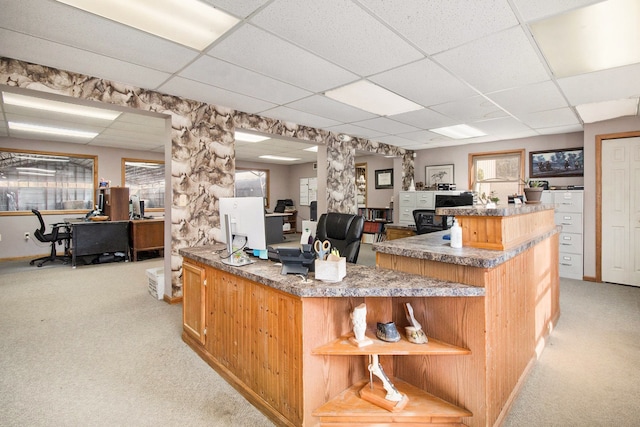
296,261
243,217
60,233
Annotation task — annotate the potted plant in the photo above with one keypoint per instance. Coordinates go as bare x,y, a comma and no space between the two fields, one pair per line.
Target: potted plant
533,191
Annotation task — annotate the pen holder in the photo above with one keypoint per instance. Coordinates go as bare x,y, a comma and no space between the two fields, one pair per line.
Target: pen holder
333,269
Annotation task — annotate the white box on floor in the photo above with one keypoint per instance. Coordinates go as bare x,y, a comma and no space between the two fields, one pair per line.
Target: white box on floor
156,282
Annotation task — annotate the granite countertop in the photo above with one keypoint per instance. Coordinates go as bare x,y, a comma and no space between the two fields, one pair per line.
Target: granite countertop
360,281
497,211
433,247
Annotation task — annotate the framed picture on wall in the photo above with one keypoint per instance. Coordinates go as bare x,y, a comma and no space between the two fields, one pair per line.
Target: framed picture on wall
561,162
384,178
438,174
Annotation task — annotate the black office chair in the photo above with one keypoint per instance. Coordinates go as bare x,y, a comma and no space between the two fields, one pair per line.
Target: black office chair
56,236
427,221
344,231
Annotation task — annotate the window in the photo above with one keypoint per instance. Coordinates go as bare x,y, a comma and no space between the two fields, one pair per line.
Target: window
145,178
252,183
499,173
46,181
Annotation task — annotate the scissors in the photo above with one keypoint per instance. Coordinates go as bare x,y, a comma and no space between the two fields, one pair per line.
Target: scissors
322,248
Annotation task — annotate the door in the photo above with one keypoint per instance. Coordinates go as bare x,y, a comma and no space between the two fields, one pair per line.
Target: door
621,211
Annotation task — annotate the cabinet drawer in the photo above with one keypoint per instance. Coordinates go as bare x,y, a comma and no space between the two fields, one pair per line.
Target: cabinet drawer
570,266
571,243
568,201
570,222
406,216
407,199
425,200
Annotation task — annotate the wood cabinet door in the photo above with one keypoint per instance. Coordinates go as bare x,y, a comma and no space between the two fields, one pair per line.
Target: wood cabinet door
193,300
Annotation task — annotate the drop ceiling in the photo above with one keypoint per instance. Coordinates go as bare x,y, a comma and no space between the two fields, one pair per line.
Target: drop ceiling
476,63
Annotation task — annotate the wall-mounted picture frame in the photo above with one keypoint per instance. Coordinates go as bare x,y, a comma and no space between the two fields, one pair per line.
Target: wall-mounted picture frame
558,163
384,179
438,174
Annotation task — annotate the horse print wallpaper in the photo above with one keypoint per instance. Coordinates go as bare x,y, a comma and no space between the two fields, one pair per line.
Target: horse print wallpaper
203,150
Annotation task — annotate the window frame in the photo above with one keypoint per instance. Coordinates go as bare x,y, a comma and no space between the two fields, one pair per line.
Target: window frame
51,153
490,155
124,181
266,171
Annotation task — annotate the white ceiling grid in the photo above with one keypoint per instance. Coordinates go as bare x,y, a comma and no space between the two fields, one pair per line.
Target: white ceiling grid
474,63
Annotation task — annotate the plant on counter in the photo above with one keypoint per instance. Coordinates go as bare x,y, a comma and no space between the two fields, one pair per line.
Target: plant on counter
533,190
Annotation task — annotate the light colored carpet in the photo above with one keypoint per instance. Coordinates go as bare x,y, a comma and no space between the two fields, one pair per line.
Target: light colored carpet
91,347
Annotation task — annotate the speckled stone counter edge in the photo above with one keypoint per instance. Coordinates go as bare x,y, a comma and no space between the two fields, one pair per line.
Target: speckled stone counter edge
497,211
433,247
361,281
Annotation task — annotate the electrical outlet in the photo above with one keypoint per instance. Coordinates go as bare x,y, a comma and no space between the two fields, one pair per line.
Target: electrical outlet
26,235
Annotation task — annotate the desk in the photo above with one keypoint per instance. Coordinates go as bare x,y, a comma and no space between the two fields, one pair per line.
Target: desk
273,227
146,235
98,237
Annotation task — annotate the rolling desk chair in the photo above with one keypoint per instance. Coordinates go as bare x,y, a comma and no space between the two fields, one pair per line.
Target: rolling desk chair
344,231
56,235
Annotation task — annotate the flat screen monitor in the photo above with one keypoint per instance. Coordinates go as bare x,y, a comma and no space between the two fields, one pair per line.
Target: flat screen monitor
100,205
136,208
246,219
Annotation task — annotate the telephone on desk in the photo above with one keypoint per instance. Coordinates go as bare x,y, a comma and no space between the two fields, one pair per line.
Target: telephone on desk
91,214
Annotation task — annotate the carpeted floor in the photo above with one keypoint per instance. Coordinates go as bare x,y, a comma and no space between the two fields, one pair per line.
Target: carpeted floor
91,347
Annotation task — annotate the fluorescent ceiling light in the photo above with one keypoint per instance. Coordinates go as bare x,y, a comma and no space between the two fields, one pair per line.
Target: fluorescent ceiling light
603,35
191,23
313,149
57,106
44,159
250,137
143,165
458,131
372,98
51,130
286,159
599,111
35,173
44,171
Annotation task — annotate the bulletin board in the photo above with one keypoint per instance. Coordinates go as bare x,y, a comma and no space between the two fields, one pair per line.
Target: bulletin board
308,190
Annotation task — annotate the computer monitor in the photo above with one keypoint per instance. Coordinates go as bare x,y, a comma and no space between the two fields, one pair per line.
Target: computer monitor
136,209
100,204
245,217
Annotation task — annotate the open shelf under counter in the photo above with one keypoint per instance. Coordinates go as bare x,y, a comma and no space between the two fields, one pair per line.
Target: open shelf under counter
342,346
422,409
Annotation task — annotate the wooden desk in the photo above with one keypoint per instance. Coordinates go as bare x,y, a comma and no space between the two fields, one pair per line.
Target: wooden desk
146,235
99,237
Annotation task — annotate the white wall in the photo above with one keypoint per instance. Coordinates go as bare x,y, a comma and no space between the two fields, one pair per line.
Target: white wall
13,227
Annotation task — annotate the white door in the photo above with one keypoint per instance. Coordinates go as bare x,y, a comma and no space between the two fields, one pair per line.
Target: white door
621,211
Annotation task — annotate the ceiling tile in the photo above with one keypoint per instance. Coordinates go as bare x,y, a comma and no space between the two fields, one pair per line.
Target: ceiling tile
239,8
264,53
550,118
499,61
423,136
356,131
383,124
322,106
436,85
290,115
51,54
202,92
218,73
530,98
73,27
599,111
470,109
436,26
425,119
601,86
532,10
396,140
339,31
501,126
560,129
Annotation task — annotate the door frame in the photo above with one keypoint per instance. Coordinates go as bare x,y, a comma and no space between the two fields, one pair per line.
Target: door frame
599,140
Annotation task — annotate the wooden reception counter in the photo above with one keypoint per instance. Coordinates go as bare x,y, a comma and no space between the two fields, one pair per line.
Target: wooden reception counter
282,342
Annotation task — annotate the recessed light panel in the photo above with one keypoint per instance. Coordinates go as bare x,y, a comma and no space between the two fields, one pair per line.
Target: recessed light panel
459,131
249,137
372,98
57,106
592,38
284,159
189,22
26,127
